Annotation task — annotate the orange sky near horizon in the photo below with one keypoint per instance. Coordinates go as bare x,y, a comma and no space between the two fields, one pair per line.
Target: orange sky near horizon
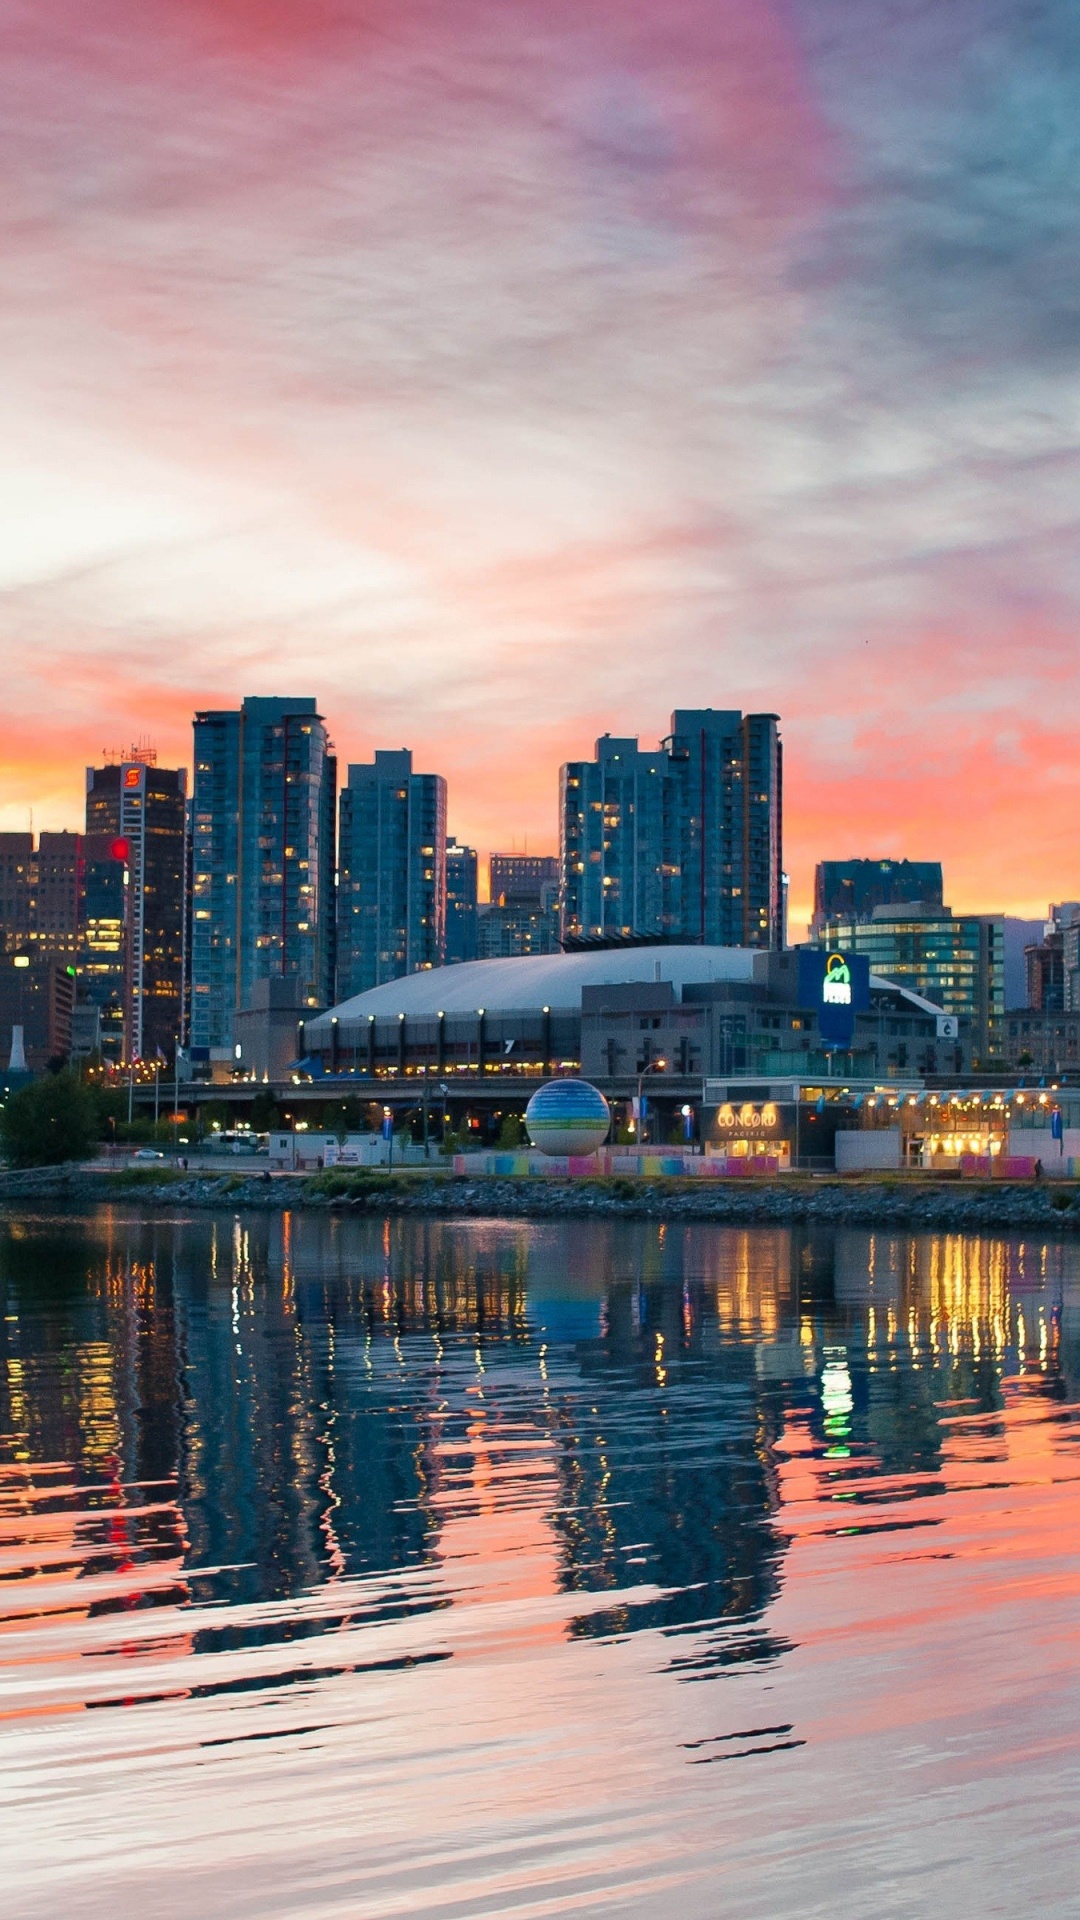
510,374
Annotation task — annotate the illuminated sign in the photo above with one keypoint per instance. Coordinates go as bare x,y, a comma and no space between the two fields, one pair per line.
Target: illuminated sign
836,987
119,850
749,1117
133,779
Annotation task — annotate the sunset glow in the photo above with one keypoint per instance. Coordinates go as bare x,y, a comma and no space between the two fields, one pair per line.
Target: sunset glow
509,373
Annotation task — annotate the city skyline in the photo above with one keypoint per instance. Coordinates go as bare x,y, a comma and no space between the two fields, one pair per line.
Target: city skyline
535,363
889,842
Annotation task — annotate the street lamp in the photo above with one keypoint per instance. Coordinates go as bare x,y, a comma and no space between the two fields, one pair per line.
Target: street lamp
656,1066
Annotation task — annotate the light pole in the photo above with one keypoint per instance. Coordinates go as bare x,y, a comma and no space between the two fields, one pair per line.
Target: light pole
655,1066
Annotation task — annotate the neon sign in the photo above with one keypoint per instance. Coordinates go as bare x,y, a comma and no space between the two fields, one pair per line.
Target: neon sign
836,989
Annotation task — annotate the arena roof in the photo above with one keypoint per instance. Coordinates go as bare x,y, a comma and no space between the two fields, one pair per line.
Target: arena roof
552,980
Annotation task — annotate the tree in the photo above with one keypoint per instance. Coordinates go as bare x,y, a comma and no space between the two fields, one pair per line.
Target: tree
48,1122
264,1112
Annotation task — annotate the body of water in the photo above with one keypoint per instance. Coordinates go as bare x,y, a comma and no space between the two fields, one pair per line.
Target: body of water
462,1569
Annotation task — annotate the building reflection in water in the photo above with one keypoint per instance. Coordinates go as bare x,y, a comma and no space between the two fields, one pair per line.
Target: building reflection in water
237,1410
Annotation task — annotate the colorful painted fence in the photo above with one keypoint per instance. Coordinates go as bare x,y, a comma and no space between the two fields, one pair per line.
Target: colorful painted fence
648,1166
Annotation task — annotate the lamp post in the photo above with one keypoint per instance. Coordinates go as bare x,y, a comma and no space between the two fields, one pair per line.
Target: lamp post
21,963
656,1066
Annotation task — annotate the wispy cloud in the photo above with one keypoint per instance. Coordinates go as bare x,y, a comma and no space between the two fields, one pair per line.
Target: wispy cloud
504,372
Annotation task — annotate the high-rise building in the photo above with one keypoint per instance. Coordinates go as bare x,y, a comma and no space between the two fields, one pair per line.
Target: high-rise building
39,937
40,889
854,889
16,887
391,873
461,902
58,899
956,961
136,834
102,945
684,842
523,915
262,868
39,931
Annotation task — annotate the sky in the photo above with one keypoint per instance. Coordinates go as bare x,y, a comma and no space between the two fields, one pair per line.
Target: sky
512,371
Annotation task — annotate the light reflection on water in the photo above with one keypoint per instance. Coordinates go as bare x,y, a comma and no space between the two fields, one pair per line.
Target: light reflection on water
466,1569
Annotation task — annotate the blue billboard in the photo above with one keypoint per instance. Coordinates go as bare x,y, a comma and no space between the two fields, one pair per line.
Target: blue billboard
835,986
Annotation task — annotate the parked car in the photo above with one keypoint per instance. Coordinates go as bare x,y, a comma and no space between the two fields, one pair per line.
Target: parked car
147,1153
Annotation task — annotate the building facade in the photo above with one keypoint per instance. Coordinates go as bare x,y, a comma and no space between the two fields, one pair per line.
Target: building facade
1051,963
391,873
102,948
136,824
37,996
462,898
523,912
957,961
683,843
523,879
40,888
263,809
506,931
847,890
40,893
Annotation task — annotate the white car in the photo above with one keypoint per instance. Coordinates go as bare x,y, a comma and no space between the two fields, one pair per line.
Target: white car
148,1153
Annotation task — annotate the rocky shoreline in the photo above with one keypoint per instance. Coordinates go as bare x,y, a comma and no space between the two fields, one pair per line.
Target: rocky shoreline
913,1205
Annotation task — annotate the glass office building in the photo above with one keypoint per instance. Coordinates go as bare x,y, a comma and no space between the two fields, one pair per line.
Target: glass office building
462,898
684,842
262,885
391,873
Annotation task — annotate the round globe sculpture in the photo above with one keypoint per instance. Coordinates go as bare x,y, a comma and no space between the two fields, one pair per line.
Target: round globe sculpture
567,1117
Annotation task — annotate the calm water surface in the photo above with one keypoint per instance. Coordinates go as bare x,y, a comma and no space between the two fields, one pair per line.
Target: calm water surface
472,1569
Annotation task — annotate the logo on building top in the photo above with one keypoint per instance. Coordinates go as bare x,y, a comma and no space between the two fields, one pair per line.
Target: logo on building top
836,989
133,779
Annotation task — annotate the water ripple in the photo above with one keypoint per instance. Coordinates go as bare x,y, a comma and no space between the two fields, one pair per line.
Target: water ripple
440,1570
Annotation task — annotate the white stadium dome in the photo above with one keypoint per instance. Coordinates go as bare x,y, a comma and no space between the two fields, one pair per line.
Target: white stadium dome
553,980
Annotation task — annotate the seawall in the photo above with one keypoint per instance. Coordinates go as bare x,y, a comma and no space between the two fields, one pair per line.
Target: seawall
911,1205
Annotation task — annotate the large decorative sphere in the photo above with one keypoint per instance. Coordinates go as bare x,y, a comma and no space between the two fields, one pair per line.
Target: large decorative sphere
567,1116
